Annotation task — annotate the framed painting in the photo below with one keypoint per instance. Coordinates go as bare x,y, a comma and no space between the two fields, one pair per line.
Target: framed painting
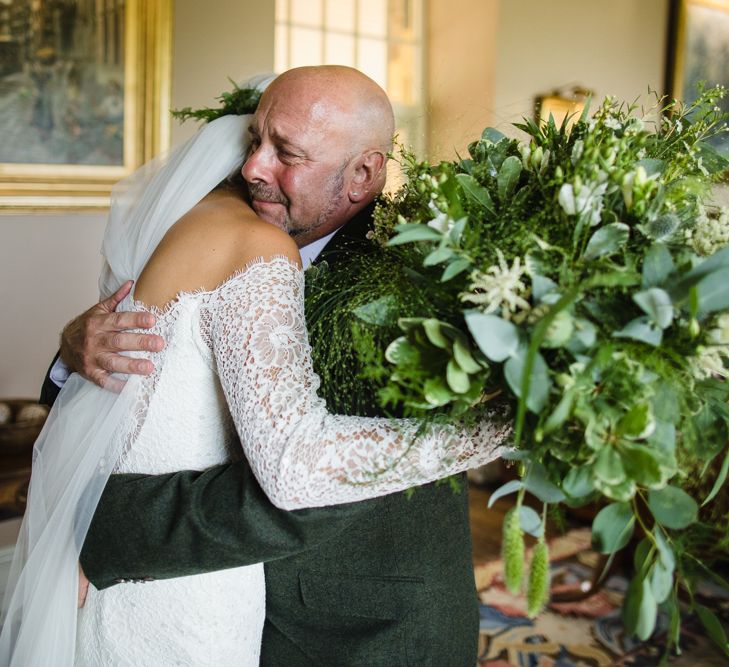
698,51
84,94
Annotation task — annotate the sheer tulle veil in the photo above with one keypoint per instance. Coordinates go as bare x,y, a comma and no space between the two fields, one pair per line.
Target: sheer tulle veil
79,445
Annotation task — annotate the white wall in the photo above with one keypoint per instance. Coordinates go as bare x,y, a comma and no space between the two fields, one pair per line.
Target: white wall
49,264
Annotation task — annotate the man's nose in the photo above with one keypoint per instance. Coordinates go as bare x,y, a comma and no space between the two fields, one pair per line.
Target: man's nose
257,167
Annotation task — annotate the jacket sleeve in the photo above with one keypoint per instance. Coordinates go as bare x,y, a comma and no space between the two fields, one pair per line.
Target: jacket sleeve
49,390
189,522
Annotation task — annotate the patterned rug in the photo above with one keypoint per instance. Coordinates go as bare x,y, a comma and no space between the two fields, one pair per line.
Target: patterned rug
588,633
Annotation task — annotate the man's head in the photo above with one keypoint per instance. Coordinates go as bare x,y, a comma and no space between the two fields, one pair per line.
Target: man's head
319,141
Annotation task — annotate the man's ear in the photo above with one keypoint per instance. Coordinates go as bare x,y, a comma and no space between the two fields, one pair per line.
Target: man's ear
368,177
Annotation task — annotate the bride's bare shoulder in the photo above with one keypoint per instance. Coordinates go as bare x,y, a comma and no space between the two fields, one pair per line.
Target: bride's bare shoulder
217,237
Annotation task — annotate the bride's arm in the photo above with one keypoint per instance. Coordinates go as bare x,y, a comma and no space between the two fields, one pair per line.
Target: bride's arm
301,455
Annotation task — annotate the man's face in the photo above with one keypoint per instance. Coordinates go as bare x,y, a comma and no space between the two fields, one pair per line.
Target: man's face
297,167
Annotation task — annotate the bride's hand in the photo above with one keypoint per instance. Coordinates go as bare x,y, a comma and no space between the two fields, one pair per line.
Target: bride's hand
83,587
90,343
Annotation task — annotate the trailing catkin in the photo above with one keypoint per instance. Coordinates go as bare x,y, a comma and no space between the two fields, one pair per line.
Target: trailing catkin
538,586
512,554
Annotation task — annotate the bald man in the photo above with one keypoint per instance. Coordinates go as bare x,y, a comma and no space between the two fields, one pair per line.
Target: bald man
385,582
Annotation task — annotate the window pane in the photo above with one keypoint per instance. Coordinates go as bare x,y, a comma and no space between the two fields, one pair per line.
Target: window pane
305,47
281,50
372,59
372,17
340,15
306,12
339,50
403,74
282,10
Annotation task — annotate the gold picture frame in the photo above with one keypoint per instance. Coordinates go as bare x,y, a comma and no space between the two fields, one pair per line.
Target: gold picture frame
561,104
697,51
136,101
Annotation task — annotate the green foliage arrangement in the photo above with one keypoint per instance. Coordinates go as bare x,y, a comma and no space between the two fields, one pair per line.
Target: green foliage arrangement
583,275
237,102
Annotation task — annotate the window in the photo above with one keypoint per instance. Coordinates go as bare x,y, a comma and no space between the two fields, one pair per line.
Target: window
382,38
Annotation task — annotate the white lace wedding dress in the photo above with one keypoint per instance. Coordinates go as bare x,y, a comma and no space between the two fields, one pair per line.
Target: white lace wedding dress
243,348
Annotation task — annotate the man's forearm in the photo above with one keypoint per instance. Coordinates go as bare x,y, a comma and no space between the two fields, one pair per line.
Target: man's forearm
164,526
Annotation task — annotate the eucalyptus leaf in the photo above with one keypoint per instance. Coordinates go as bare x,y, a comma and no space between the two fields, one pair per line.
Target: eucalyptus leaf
612,528
456,267
665,553
656,303
584,336
673,507
661,581
476,192
642,329
539,382
640,609
541,286
643,557
492,135
495,337
508,177
504,490
539,485
657,266
712,292
419,233
530,521
607,240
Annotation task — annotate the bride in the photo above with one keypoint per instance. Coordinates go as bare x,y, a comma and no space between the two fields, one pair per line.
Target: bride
227,289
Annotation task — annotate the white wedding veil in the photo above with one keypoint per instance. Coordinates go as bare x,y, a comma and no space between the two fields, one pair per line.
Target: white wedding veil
80,442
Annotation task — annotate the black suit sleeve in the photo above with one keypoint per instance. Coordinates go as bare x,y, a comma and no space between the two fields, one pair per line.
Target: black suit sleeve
183,523
49,390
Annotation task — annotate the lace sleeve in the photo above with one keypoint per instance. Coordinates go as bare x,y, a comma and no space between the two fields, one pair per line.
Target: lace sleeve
301,455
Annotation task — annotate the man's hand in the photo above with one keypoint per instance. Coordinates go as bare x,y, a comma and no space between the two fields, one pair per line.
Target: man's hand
83,587
91,343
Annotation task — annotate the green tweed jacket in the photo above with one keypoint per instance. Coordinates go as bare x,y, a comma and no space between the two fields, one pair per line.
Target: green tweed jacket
386,582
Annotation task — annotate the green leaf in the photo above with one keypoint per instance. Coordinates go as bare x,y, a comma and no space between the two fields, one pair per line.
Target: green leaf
402,352
612,528
542,286
607,240
578,482
652,165
492,135
539,383
656,303
434,332
662,227
622,492
504,490
665,553
609,466
530,521
381,311
640,609
657,266
719,482
495,337
476,192
508,177
637,423
713,626
457,230
642,329
641,465
464,358
457,378
438,256
613,279
642,556
583,338
673,507
454,268
712,292
560,414
539,485
436,393
416,233
661,581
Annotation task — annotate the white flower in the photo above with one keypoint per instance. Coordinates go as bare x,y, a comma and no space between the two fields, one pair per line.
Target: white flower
585,198
500,287
709,362
612,123
710,233
440,220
